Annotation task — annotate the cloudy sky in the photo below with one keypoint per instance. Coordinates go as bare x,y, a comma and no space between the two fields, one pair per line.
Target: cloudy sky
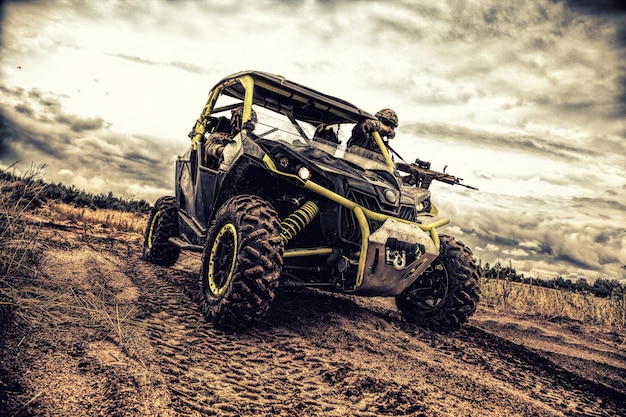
524,100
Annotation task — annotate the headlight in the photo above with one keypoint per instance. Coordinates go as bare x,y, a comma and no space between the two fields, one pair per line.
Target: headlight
304,173
391,196
423,206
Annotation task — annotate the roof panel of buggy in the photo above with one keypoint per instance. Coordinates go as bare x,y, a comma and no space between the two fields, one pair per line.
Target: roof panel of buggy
281,95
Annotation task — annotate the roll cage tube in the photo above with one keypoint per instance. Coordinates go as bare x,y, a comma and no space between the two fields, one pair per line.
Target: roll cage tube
200,127
383,150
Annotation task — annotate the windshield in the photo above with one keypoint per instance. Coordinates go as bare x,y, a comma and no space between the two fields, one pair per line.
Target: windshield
331,139
277,126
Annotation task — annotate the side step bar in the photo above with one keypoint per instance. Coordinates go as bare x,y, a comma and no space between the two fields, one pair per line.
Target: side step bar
181,244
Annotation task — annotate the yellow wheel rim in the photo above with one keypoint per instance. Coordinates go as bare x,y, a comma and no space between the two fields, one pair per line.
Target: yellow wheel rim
222,260
150,239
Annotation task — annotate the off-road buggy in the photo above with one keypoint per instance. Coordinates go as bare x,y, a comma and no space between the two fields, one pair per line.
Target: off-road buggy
287,204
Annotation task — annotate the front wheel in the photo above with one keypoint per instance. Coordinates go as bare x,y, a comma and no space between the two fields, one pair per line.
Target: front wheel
446,294
241,263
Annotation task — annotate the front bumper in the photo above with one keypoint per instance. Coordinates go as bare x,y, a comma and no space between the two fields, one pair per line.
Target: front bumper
397,253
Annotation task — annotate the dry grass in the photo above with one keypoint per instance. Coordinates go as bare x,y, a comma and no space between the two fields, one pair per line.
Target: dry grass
23,296
17,238
550,303
130,222
36,304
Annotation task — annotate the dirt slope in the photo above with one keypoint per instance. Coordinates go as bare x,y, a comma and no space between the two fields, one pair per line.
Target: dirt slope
100,332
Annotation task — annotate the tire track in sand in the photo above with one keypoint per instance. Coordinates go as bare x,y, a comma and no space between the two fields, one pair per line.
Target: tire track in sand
112,335
212,372
325,354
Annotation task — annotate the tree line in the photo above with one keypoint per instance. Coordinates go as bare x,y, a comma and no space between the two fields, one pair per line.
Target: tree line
600,288
33,183
79,198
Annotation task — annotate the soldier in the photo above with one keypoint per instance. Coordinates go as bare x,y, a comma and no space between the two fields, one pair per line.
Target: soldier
215,143
385,126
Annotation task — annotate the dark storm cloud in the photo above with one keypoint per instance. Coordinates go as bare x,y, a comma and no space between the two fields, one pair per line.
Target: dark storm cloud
153,159
15,135
84,147
124,160
549,50
553,234
598,203
524,143
7,135
622,71
17,138
528,237
186,66
3,4
480,21
610,11
622,98
598,6
24,109
50,110
11,91
80,124
34,97
578,263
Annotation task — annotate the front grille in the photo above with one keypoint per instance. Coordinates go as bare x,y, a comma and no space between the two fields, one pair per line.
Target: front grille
350,229
407,213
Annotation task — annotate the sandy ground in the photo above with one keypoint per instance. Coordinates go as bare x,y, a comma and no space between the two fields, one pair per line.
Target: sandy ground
98,332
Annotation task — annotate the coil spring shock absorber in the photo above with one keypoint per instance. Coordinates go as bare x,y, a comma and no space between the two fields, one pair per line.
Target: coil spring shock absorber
298,220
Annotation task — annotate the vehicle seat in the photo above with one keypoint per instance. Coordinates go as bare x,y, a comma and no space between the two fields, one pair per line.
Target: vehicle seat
328,135
218,124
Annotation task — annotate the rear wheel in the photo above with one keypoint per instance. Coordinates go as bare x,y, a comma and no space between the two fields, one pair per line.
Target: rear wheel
241,263
446,294
162,224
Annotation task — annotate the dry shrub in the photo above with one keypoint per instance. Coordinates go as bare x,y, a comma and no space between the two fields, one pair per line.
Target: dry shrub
551,303
126,221
17,238
24,297
51,305
17,195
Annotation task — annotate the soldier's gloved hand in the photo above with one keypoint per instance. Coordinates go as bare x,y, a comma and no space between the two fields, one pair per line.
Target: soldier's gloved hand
248,125
386,131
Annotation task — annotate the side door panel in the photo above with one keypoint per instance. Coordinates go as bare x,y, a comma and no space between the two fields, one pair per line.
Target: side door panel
185,183
205,195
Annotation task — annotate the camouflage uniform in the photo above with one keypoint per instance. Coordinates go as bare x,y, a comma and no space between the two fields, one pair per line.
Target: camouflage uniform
362,132
214,144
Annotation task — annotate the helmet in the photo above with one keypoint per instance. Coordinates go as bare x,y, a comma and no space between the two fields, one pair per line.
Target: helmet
388,116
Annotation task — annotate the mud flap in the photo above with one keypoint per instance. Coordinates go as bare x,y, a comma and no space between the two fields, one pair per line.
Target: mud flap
397,254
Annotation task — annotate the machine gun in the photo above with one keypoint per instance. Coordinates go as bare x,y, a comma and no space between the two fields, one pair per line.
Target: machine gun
421,175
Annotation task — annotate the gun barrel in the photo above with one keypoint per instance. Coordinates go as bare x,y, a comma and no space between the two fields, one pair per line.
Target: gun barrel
426,175
468,186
